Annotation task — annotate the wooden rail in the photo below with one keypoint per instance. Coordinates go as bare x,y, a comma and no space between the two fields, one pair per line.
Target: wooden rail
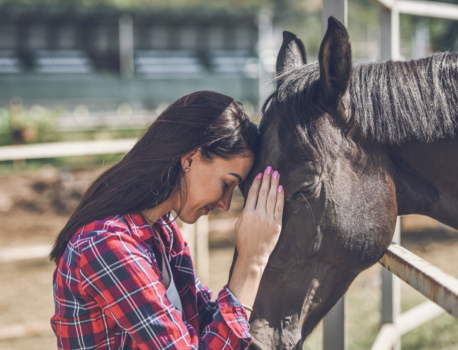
432,282
66,149
195,235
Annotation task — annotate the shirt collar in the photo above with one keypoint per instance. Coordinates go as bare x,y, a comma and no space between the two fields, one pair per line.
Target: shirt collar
141,227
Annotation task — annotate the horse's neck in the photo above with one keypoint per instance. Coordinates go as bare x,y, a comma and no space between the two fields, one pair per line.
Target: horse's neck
426,176
394,102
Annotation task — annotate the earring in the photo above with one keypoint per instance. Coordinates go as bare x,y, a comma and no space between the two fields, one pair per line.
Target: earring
186,170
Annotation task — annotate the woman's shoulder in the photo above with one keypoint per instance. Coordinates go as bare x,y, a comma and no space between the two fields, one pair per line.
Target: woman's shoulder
111,225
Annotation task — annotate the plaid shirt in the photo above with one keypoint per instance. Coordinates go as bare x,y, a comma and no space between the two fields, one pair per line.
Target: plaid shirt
108,292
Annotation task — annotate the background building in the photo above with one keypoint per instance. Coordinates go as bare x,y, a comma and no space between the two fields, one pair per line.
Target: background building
106,66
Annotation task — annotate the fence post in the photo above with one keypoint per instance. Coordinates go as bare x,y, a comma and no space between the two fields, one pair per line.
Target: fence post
395,34
126,45
385,33
334,327
265,38
334,322
336,8
391,291
389,49
202,251
188,233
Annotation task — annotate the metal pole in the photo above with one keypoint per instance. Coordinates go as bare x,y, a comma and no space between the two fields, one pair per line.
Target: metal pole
265,39
334,327
395,34
385,33
334,322
336,8
389,49
126,46
188,233
389,32
391,291
202,250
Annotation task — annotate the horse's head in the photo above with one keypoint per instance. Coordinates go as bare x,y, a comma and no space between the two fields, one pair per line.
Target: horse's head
340,201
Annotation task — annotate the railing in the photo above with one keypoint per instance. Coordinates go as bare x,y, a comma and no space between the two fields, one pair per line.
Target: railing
439,287
195,235
429,280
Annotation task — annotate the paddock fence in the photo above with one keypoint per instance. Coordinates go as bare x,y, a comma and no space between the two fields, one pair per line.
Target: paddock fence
440,288
196,235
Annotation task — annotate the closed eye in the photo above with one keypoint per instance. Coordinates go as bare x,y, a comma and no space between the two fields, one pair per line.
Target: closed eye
305,192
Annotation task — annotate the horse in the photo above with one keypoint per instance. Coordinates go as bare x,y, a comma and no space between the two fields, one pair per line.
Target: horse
355,146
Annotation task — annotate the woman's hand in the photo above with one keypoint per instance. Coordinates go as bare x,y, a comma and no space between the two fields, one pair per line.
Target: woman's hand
257,233
259,226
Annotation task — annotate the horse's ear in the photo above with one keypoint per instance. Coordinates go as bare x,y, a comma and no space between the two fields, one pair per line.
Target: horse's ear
292,54
335,63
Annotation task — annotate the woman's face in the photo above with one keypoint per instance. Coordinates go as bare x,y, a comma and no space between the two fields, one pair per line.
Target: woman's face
210,184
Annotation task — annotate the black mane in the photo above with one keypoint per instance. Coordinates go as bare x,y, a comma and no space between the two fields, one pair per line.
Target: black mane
396,102
392,102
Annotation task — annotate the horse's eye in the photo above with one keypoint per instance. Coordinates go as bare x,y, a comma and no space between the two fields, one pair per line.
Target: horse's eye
305,192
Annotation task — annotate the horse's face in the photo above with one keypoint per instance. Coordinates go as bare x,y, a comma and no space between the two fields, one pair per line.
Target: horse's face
340,205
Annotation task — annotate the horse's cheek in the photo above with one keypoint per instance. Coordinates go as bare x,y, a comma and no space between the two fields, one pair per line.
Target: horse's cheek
298,239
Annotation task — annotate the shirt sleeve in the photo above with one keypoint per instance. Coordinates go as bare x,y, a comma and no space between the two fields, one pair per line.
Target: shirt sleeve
118,275
227,306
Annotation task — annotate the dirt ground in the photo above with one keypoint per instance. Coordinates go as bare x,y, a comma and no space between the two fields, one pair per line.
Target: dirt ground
34,207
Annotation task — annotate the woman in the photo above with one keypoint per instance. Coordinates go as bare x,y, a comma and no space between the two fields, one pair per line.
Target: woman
124,276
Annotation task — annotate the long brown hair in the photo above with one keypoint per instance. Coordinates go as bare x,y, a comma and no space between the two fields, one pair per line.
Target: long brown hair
207,121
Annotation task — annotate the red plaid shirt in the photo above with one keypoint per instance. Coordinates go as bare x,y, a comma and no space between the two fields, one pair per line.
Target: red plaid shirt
108,293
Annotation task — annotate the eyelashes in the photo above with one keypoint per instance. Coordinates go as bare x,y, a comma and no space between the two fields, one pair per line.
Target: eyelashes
305,192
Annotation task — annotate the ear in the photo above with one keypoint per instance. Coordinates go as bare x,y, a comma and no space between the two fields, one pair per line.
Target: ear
335,64
291,55
188,159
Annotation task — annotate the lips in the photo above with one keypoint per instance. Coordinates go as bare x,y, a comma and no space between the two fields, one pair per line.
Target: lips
207,209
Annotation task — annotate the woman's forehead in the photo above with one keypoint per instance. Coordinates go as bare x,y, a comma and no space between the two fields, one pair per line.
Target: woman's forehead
240,165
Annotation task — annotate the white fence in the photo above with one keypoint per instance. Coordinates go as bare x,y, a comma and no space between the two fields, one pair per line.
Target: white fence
434,284
195,235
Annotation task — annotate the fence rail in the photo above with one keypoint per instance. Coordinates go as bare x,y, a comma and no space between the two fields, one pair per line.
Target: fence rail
432,282
428,279
390,333
195,235
66,149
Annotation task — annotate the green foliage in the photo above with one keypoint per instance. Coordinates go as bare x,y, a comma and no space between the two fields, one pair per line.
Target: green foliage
19,125
5,128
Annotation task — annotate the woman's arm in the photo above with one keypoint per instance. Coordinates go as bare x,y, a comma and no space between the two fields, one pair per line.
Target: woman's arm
257,233
121,280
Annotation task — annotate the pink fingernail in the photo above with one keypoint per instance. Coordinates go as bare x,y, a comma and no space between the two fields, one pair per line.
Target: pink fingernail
275,174
269,169
260,175
280,188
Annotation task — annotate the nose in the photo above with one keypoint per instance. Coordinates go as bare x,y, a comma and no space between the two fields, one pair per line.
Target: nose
225,202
